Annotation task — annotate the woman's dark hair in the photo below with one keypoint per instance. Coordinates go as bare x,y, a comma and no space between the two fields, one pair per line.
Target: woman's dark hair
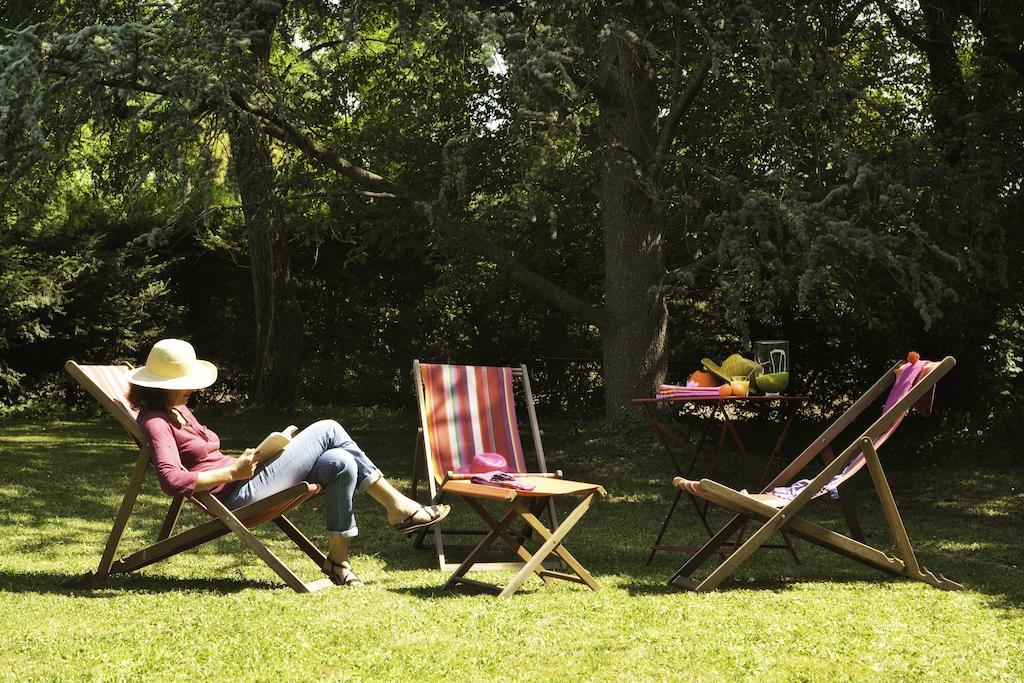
148,398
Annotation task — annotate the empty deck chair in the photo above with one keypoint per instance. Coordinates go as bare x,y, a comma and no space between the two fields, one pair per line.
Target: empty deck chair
778,506
466,410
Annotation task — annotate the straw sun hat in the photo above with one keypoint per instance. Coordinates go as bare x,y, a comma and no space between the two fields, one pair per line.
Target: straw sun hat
172,364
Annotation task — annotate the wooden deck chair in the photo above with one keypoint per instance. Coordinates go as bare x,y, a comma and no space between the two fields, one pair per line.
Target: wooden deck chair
466,410
777,507
109,386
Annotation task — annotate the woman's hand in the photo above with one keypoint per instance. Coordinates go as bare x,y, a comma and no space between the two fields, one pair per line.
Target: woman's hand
242,468
245,465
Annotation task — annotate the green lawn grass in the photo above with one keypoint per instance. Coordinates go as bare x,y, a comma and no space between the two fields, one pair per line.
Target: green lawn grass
217,613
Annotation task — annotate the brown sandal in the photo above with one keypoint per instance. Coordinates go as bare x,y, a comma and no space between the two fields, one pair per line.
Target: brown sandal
435,513
346,577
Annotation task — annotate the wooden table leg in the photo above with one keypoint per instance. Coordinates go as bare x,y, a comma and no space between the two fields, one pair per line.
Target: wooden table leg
672,444
664,526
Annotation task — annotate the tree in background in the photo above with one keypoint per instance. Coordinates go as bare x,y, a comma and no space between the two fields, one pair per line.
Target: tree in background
737,169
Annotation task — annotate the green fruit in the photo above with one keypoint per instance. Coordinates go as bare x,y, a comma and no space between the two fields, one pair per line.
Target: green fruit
773,382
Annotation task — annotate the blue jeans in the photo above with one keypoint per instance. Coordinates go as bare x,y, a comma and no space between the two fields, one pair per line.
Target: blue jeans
322,453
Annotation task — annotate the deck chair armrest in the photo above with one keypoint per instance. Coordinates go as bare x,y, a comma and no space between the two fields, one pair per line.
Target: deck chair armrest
263,510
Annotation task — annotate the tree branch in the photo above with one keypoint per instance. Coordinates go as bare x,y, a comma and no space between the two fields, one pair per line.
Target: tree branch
374,185
998,43
276,127
901,27
682,104
846,24
285,132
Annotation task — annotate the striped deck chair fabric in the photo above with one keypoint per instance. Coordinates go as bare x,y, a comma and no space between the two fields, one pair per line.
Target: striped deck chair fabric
470,410
113,381
467,410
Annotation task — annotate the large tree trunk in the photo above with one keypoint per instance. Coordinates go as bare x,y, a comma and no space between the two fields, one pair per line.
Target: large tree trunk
634,340
276,306
949,102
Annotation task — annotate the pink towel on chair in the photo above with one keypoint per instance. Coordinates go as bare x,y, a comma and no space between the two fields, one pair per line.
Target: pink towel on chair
503,480
908,376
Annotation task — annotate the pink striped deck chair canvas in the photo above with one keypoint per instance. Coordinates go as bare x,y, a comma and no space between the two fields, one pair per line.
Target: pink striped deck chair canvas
467,410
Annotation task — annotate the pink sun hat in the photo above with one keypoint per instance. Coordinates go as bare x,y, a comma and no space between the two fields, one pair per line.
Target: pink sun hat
485,462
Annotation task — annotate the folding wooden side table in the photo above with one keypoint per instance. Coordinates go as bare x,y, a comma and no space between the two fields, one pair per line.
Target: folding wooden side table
679,449
524,505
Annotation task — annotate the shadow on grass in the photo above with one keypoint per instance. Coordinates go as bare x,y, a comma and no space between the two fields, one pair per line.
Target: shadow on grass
963,518
465,590
54,583
771,584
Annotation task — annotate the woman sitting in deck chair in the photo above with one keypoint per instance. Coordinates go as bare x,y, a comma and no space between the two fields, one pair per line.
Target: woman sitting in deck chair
187,457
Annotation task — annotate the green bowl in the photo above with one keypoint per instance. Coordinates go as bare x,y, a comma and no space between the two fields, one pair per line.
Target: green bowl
773,383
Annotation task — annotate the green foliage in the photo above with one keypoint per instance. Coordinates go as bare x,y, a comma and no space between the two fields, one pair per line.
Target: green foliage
74,293
820,189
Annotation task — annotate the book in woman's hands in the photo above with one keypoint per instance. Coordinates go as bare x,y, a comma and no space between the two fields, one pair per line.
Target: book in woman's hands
274,443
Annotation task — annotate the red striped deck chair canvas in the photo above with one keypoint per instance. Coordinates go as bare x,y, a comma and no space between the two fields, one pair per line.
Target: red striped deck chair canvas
466,410
470,409
108,384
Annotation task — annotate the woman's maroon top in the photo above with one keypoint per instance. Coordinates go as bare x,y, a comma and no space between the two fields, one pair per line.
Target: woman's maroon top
180,451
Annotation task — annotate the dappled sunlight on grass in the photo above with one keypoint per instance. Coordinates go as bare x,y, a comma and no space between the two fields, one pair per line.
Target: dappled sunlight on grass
61,484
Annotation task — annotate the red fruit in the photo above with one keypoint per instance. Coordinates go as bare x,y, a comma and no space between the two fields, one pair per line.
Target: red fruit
913,357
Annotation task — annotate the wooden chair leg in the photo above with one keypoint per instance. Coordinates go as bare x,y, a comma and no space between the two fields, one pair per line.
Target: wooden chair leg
553,541
682,576
734,560
895,522
560,550
124,512
511,539
300,540
167,528
814,533
161,550
257,546
481,548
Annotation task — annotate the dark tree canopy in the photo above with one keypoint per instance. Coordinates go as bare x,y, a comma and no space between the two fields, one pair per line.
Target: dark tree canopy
316,193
